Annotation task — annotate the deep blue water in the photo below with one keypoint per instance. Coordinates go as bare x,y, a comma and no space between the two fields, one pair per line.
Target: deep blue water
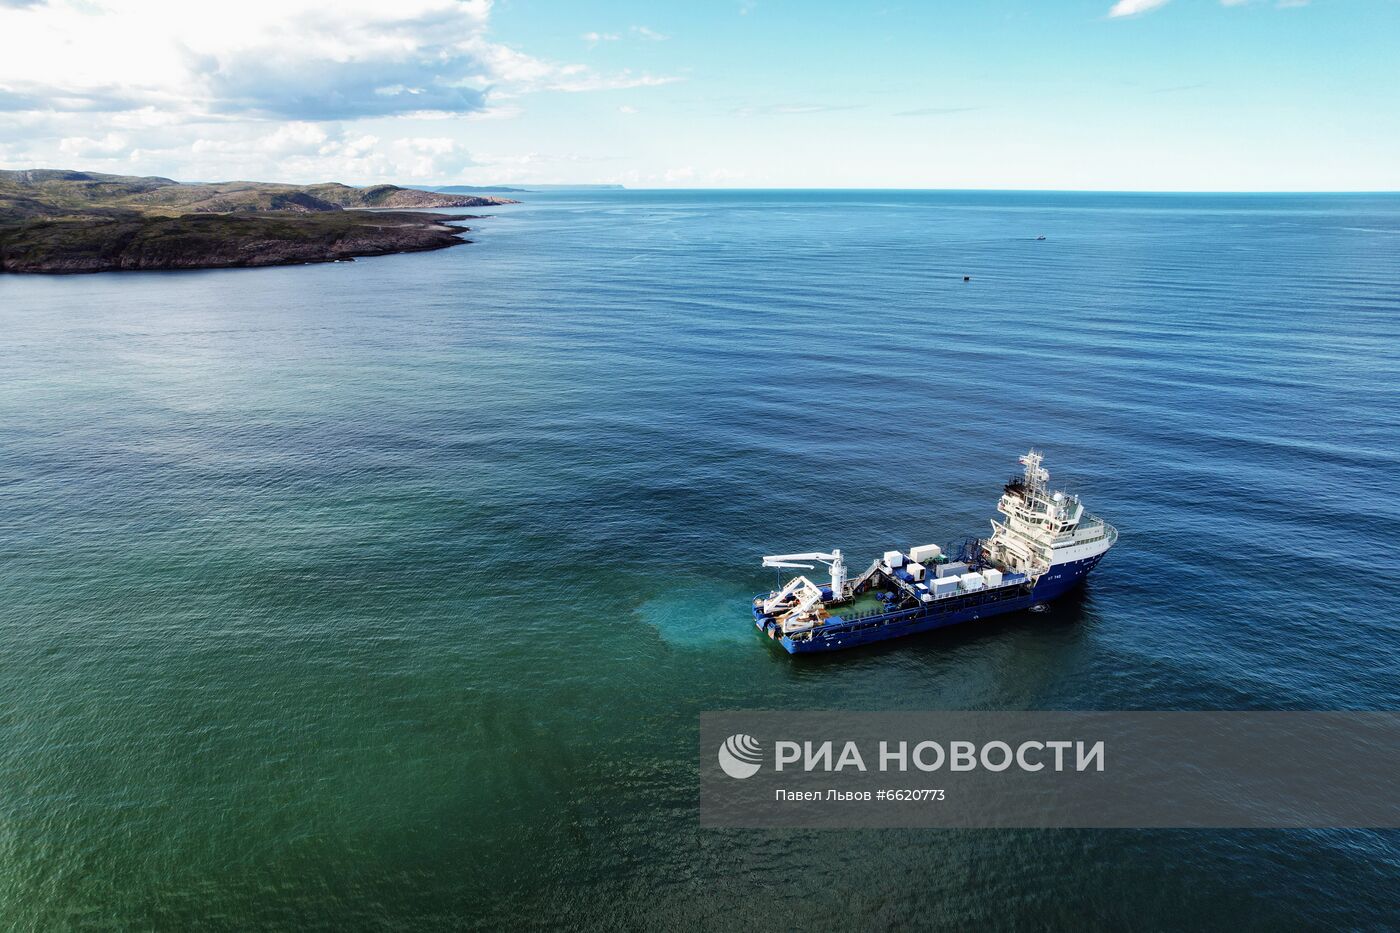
388,592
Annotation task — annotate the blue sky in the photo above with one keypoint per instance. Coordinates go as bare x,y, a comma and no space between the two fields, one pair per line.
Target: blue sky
1132,95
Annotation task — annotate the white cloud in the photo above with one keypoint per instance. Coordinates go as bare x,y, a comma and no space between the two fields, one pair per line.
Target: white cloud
271,91
594,37
319,152
620,81
779,110
542,167
627,109
643,32
276,59
294,137
1134,7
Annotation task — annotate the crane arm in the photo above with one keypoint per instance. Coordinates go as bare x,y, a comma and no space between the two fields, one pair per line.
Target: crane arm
780,560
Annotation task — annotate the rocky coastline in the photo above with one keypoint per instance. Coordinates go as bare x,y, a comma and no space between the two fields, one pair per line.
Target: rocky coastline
61,222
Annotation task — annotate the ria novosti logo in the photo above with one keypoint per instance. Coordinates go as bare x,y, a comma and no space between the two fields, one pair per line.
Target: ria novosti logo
740,756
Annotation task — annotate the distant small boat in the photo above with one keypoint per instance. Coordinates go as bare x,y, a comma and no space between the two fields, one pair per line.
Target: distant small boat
1041,237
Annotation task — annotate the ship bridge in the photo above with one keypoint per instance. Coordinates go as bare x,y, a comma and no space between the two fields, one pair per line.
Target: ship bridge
1041,528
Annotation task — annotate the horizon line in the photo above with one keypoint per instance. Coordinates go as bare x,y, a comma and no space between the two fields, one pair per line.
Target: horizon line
524,186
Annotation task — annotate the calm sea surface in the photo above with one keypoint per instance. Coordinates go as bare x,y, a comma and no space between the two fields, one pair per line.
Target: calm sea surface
390,591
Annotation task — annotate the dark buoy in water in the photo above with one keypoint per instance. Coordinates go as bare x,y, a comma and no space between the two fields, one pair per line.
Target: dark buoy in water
967,278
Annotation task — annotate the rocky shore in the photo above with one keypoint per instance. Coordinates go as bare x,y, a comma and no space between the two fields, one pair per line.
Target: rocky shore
54,221
215,241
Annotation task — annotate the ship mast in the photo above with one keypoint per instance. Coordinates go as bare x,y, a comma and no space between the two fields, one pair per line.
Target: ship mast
1036,476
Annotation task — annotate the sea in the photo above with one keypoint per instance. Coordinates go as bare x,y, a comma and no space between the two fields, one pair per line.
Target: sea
387,594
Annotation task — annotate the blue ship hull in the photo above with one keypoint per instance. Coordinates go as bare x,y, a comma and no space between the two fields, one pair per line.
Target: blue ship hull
838,633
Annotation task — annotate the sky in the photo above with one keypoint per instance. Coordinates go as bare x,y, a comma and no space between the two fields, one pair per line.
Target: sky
1147,95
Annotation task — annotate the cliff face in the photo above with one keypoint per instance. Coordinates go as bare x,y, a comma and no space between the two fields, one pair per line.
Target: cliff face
62,221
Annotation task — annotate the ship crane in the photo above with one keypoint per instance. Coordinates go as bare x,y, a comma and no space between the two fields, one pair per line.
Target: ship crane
799,561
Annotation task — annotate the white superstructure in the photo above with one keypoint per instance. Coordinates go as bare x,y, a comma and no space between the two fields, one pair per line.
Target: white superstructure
1043,530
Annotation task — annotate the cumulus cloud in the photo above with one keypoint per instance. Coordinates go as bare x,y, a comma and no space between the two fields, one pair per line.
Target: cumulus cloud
294,151
81,79
83,147
651,35
1134,7
277,59
273,59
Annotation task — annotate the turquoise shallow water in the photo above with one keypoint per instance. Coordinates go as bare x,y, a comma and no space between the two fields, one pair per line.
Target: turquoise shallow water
389,592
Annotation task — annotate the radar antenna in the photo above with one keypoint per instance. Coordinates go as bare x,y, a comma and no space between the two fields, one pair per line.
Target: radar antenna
1036,475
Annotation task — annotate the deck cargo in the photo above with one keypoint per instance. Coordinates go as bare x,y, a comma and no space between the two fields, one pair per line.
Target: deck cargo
925,552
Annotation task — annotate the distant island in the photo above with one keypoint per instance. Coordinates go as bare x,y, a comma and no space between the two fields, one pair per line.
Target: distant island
460,189
59,221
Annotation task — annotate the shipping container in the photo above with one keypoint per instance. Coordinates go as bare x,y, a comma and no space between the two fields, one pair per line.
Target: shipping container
945,586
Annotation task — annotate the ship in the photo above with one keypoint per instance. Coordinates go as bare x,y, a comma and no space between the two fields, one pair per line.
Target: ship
1044,545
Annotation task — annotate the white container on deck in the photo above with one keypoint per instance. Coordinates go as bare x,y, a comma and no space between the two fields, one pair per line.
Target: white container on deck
916,571
945,586
950,570
894,558
971,581
992,576
925,552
